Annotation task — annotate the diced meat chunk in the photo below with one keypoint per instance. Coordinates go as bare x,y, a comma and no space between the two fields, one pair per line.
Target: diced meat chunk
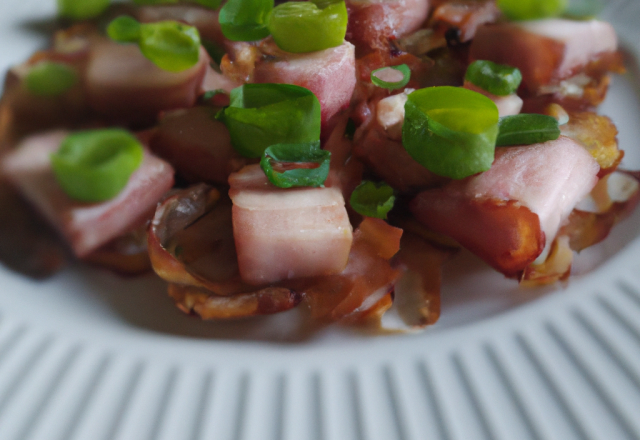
510,214
373,22
85,226
123,85
465,16
545,51
283,234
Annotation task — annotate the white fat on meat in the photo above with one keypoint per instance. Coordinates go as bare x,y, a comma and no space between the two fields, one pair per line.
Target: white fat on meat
583,40
508,105
548,178
86,226
390,113
283,234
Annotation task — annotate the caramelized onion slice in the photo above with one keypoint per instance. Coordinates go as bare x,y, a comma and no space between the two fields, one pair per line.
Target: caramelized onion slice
199,301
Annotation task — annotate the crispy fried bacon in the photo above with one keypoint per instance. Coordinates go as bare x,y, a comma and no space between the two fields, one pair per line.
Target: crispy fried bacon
511,213
464,16
373,22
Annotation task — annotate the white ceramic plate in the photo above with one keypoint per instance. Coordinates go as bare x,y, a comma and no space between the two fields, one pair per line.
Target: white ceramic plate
90,356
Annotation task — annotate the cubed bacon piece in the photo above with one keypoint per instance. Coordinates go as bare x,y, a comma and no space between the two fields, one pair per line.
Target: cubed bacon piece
510,214
373,22
85,226
197,145
283,234
330,74
123,85
548,51
465,16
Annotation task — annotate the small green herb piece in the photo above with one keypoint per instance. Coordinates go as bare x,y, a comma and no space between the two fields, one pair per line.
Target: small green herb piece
301,27
532,9
50,79
391,77
295,165
373,200
170,45
94,166
211,4
261,115
451,131
124,29
527,129
497,79
81,9
245,20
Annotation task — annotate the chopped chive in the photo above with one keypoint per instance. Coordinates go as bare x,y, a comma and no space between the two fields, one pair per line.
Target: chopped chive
391,77
497,79
124,29
527,129
301,27
261,115
373,200
451,131
50,79
81,9
296,165
94,166
245,20
532,9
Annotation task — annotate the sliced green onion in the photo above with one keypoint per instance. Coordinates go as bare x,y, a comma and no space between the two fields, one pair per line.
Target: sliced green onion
527,129
294,165
532,9
451,131
50,79
124,29
245,20
391,77
261,115
94,166
81,9
373,200
301,27
497,79
583,9
170,45
211,4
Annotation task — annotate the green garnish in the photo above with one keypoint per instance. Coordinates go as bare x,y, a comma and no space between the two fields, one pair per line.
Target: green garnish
527,129
391,77
294,165
245,20
94,166
211,4
451,131
583,9
373,200
301,27
532,9
261,115
81,9
497,79
50,79
170,45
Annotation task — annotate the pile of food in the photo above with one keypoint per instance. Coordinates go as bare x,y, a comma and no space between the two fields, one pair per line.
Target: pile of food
328,155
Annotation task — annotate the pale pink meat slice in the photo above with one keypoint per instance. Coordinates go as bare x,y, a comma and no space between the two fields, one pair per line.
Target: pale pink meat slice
330,74
86,226
122,84
283,234
510,214
545,51
373,22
